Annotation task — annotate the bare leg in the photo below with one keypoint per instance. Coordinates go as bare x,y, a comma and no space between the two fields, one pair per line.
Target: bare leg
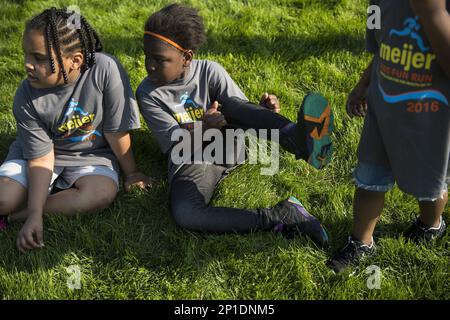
13,196
367,208
89,194
431,211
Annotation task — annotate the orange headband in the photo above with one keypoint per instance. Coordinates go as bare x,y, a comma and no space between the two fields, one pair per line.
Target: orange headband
160,37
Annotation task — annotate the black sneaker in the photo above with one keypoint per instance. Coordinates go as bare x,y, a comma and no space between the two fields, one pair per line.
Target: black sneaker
309,139
419,232
351,255
295,220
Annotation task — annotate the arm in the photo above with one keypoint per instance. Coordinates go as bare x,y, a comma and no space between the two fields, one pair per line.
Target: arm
122,115
436,21
160,122
40,172
120,143
37,148
365,77
356,104
223,87
164,127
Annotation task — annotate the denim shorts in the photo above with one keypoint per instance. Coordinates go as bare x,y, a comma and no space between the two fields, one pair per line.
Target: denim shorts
379,178
62,178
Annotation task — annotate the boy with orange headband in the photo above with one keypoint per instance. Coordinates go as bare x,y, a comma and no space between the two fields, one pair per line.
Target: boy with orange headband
181,92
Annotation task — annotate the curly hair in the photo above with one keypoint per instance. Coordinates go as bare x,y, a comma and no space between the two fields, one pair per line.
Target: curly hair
179,23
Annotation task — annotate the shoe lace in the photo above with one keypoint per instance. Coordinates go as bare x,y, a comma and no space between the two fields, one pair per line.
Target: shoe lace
351,251
418,228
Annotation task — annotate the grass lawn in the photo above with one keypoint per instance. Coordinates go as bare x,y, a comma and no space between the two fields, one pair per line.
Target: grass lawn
133,250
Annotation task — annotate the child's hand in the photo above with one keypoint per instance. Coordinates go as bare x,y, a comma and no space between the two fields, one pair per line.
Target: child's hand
31,234
357,102
426,7
213,118
138,180
271,102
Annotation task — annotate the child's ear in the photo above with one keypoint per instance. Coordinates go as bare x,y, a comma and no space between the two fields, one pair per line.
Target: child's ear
188,56
77,61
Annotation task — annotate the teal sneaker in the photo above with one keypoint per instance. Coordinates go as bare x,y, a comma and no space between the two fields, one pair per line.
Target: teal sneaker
309,139
316,118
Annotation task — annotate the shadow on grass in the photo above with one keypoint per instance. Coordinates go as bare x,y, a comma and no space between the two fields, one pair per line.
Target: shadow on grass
137,229
137,232
94,234
139,226
340,227
6,139
149,158
288,48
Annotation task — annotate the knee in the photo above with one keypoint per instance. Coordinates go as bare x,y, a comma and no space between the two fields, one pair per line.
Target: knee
105,197
182,214
8,206
97,198
5,206
187,215
12,197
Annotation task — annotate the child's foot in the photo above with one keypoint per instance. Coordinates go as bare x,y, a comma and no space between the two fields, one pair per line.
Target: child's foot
4,223
351,255
419,232
310,139
316,117
294,219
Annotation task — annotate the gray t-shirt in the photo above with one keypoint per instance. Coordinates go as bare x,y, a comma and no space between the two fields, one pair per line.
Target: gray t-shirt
73,118
407,127
183,102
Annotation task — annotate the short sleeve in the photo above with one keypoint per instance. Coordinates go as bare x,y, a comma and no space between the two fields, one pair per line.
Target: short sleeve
32,134
222,86
160,122
121,112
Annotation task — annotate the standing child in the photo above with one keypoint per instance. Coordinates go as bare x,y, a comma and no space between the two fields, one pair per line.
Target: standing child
73,113
180,91
406,135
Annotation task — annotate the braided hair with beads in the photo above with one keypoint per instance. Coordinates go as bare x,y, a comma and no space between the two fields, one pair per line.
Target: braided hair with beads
61,35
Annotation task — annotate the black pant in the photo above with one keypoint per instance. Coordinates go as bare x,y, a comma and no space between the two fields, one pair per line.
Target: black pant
246,115
193,185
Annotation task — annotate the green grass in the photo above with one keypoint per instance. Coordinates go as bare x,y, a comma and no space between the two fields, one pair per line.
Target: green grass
133,250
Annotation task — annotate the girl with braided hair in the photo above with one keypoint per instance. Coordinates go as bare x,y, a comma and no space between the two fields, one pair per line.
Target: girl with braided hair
73,114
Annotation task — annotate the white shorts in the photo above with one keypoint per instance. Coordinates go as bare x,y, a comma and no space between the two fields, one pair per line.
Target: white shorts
62,178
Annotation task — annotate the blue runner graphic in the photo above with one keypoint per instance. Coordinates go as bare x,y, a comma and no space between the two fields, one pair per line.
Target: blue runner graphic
412,25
